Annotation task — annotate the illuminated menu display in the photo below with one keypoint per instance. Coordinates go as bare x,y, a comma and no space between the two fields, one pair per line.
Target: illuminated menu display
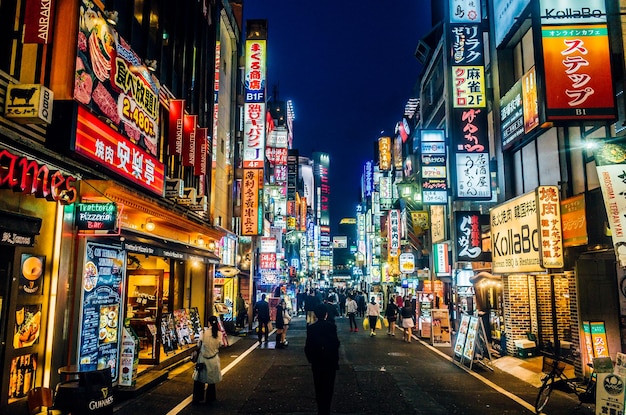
101,307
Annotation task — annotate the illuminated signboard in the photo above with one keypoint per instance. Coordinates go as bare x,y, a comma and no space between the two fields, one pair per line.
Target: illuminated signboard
574,221
384,153
254,135
530,100
175,136
521,227
112,81
578,73
255,70
393,233
465,11
251,208
38,20
469,242
572,11
96,141
469,87
96,216
467,45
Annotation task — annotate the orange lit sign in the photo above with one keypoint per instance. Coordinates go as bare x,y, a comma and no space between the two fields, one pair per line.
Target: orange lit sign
577,72
251,209
384,153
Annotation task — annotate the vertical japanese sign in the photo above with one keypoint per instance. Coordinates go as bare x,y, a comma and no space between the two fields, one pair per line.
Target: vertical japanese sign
216,93
433,176
577,72
469,129
384,153
393,233
469,242
574,221
101,307
254,107
251,207
549,206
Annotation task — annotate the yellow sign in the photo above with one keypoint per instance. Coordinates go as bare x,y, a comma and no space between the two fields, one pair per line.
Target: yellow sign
29,104
468,87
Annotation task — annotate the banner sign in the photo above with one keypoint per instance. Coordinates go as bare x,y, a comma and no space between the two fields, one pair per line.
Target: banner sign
255,71
38,19
469,87
549,207
384,153
578,75
467,45
393,232
574,221
201,152
433,152
112,80
189,139
254,135
175,136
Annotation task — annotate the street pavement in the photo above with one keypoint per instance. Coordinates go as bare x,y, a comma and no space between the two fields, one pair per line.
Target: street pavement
377,375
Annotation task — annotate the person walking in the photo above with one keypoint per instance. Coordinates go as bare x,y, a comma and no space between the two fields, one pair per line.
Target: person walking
280,324
208,370
372,312
391,314
351,309
331,308
322,352
360,300
262,312
406,312
242,311
310,302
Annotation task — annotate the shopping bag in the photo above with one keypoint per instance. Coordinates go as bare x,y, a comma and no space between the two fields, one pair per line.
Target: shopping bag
379,325
386,322
366,323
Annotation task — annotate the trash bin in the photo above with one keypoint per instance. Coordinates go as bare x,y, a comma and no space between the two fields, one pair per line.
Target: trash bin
85,392
525,348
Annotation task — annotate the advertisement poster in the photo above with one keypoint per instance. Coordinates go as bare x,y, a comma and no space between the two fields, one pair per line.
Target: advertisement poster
27,326
129,359
169,338
196,324
31,275
22,376
183,327
102,294
470,343
461,336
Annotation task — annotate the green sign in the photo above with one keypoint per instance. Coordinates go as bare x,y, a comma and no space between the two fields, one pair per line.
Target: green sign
96,216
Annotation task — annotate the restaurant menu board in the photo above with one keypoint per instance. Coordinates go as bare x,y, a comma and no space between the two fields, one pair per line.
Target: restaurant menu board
102,285
22,376
196,324
461,336
169,339
470,343
183,327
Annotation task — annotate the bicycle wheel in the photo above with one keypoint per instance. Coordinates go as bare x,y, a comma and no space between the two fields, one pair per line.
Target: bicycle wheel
543,396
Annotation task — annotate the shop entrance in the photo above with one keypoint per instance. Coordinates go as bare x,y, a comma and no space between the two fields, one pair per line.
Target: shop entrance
144,307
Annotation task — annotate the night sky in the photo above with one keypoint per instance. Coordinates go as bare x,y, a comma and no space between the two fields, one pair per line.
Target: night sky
349,68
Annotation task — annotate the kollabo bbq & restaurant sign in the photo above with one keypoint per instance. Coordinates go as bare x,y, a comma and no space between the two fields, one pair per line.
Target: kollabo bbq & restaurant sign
526,233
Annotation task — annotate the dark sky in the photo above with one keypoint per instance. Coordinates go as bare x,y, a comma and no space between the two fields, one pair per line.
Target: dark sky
349,68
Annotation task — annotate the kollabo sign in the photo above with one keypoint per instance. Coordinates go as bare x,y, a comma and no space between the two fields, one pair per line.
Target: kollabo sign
526,233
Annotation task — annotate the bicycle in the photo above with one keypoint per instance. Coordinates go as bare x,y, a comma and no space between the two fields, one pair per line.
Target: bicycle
553,369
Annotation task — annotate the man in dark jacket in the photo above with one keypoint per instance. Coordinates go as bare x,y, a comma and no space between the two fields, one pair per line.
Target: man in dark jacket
262,312
322,352
310,302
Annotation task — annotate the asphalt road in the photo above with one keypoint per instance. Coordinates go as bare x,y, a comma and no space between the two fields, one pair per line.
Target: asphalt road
378,375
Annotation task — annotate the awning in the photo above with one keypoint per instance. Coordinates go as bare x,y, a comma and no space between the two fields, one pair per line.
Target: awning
140,244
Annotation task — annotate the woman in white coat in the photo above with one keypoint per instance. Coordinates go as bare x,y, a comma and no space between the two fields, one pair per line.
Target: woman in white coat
208,370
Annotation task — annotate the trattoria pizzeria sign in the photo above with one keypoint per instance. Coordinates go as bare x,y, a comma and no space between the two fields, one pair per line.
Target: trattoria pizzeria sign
526,233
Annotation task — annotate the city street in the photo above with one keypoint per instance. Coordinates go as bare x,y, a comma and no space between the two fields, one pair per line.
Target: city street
380,374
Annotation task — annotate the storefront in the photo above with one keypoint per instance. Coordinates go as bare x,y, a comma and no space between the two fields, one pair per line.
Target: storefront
30,257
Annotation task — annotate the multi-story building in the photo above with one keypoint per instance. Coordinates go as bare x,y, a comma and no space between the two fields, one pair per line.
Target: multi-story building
115,222
531,110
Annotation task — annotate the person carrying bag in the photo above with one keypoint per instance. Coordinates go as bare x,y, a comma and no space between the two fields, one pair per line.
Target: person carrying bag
208,369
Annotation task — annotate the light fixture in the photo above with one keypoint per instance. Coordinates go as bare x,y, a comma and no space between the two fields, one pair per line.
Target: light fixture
200,240
151,64
211,245
150,226
111,17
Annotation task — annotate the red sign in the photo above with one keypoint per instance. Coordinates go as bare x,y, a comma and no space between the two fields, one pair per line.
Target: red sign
175,138
189,139
267,260
96,141
17,173
38,21
201,151
578,72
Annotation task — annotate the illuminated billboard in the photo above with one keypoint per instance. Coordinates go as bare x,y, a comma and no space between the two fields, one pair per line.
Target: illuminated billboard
251,206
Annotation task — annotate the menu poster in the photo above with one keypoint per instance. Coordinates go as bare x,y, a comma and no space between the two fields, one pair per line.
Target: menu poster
129,358
169,338
27,325
22,376
102,285
461,335
183,327
31,274
196,324
470,343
